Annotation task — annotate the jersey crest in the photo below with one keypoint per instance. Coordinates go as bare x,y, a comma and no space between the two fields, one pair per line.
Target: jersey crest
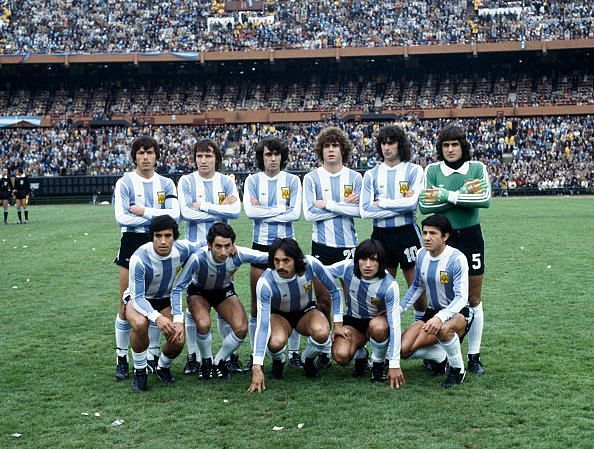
307,287
444,277
347,190
222,196
403,187
161,197
286,193
375,301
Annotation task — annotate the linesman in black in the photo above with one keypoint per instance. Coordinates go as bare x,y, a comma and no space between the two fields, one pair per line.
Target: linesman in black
5,192
22,190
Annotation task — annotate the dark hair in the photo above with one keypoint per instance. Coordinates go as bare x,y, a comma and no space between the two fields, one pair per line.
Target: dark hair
275,145
162,222
438,221
291,248
393,133
145,142
220,230
453,132
367,249
19,171
333,135
209,146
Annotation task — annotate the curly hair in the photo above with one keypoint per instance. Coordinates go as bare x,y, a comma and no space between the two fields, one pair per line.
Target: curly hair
333,135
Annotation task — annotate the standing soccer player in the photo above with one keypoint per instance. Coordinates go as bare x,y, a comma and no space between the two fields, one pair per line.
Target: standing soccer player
206,197
373,314
208,276
272,198
153,268
390,196
331,202
22,190
5,192
139,196
442,272
285,303
458,187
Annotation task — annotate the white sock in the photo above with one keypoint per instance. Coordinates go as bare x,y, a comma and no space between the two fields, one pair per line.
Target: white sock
204,343
252,324
435,353
452,349
139,359
154,335
123,329
191,333
294,341
229,345
418,315
360,353
378,350
475,333
313,348
164,361
280,355
223,327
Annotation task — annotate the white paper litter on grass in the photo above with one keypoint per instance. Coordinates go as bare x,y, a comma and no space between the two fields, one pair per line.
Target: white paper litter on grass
97,414
226,401
84,414
300,425
117,422
16,435
277,428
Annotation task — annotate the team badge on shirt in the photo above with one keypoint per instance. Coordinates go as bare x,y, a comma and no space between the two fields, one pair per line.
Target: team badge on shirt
347,190
375,301
403,187
307,287
443,277
161,197
286,193
222,196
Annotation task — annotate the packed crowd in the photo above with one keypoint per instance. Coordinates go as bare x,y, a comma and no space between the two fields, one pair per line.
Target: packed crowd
113,26
537,152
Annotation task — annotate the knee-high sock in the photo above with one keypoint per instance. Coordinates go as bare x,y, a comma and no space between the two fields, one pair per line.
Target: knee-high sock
280,355
230,344
204,343
313,348
252,324
19,215
139,359
435,353
223,327
475,333
5,215
191,333
123,329
164,361
452,349
294,341
418,315
26,214
154,341
360,353
378,350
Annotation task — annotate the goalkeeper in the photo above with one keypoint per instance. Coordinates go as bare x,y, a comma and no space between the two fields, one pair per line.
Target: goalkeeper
457,187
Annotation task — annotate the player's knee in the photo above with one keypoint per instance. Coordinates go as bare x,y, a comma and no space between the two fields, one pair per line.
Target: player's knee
139,323
341,355
474,300
378,329
276,343
203,325
446,333
320,332
241,330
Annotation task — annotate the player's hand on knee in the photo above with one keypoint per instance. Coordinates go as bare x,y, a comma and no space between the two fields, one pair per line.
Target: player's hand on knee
432,326
395,377
340,331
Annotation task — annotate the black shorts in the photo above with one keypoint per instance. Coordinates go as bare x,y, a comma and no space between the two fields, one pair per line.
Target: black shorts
264,249
328,255
129,243
21,194
361,324
158,304
471,243
4,196
465,312
214,297
400,244
294,317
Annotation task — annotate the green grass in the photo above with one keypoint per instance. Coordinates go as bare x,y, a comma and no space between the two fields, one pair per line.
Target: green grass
56,341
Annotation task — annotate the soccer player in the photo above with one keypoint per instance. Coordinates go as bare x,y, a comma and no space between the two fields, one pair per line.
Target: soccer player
272,198
458,187
372,314
139,196
208,276
22,190
153,267
331,201
206,197
390,195
442,272
5,192
285,303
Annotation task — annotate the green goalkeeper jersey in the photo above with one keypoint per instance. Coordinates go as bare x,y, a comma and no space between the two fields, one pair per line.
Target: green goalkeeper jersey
462,209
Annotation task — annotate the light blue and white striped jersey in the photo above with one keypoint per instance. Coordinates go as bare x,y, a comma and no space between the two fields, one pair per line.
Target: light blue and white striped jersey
445,280
211,193
279,206
151,276
202,270
333,226
157,195
366,299
275,294
388,185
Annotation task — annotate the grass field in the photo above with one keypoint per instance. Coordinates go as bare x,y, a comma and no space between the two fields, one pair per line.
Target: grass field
59,293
